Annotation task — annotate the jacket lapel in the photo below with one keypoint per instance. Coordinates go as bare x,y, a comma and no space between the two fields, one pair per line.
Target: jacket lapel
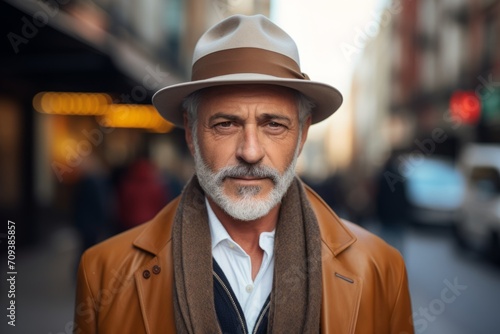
341,296
341,289
154,281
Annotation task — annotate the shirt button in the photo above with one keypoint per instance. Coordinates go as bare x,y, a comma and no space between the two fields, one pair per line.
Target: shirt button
231,245
249,288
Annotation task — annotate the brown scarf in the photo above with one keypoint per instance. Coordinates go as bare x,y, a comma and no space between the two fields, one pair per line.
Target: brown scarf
297,287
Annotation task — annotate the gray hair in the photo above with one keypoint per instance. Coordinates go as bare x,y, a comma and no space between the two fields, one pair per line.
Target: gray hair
192,102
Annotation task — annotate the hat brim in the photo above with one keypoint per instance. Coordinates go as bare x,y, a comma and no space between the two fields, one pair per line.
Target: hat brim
168,100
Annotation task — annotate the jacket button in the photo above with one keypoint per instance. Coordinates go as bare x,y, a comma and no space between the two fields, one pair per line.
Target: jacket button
146,274
156,269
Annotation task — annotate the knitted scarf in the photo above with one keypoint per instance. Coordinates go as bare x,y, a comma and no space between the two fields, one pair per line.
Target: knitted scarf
297,288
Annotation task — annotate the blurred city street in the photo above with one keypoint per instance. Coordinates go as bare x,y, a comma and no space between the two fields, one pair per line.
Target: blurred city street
85,155
45,286
470,305
434,264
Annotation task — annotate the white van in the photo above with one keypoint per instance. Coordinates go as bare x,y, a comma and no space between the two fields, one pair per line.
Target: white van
479,226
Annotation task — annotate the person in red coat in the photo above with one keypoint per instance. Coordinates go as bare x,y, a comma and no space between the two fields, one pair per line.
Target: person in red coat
140,194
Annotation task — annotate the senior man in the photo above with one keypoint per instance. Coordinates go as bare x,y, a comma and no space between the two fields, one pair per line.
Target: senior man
246,248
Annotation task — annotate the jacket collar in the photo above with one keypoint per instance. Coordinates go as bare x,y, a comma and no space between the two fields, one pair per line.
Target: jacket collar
158,232
335,235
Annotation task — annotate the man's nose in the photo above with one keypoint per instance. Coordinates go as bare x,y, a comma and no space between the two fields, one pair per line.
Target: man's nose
250,148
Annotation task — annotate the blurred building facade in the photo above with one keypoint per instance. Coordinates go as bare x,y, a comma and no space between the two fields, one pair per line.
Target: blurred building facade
428,82
425,52
67,67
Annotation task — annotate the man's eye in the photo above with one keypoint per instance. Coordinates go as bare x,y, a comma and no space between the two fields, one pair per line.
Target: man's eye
226,124
274,125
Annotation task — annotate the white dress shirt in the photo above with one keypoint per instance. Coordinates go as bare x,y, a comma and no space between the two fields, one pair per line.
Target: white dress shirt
237,267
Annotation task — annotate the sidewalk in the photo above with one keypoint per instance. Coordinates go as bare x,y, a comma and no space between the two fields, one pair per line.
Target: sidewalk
44,287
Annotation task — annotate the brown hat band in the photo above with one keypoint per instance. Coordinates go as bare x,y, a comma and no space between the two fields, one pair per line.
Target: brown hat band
246,60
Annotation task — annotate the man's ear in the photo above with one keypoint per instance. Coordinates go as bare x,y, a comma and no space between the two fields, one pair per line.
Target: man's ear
188,135
305,129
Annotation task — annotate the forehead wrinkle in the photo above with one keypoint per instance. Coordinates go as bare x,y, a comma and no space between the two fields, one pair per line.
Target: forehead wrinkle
238,105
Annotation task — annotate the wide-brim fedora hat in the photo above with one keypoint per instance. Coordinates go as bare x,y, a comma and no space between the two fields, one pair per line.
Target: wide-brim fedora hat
246,50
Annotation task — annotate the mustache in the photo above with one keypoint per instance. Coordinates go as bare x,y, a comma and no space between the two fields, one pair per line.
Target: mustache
241,170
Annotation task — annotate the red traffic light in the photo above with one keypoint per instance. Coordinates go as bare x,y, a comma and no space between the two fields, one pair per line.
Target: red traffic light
466,106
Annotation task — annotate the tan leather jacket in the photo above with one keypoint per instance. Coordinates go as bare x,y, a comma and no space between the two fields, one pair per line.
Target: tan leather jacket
125,283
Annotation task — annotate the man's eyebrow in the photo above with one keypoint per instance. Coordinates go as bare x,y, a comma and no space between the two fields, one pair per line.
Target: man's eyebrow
270,116
228,117
261,117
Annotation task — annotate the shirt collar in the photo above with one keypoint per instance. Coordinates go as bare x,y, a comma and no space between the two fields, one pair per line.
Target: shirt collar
218,233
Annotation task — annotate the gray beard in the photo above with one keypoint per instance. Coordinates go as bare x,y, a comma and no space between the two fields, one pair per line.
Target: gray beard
246,207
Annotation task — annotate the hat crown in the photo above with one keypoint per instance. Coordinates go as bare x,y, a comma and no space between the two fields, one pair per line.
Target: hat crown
244,50
239,31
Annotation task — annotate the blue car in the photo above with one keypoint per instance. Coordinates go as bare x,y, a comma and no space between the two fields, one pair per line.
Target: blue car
435,190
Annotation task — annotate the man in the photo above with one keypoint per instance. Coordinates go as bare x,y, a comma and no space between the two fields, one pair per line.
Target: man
247,248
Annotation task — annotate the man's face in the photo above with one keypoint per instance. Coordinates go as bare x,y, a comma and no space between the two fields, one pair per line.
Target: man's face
245,145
